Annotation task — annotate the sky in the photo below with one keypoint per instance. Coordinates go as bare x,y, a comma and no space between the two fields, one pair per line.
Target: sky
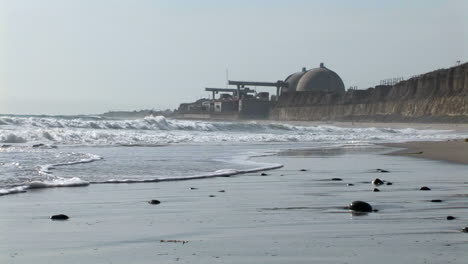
92,56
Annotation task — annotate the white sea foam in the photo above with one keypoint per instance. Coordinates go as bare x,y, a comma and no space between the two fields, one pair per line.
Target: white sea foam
159,131
46,169
59,182
19,134
77,182
215,174
49,180
12,190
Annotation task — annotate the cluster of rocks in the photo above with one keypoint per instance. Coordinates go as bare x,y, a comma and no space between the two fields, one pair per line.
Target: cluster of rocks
364,207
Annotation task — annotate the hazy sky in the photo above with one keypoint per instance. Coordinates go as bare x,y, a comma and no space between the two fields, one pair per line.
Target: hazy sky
90,56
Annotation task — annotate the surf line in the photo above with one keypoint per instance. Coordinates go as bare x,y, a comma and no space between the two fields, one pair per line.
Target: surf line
218,173
54,183
77,182
46,169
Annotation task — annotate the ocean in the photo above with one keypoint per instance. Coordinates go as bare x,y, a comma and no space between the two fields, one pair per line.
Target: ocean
74,151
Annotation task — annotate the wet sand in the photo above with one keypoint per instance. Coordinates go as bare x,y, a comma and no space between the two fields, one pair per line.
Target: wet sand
286,216
453,150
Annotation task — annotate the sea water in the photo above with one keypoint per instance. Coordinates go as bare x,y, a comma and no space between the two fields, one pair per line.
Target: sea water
65,151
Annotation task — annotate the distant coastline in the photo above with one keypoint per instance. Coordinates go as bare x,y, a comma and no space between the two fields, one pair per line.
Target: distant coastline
136,114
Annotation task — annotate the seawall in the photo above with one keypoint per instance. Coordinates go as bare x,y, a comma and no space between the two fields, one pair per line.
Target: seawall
438,96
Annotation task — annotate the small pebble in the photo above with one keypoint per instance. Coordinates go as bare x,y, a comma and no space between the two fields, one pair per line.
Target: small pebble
377,181
360,206
381,170
193,188
389,183
59,217
425,188
154,202
263,174
350,184
221,191
336,179
303,170
465,230
450,217
212,195
436,201
376,190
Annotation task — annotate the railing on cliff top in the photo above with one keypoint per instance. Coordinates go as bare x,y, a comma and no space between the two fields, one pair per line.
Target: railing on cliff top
393,81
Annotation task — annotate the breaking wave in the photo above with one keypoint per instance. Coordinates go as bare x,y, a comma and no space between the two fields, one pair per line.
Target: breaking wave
158,123
26,141
152,131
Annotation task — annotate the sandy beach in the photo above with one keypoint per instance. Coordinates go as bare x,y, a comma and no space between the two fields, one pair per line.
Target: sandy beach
452,150
141,132
285,216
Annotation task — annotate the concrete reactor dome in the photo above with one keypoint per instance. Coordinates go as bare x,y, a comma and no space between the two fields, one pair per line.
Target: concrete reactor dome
293,79
319,79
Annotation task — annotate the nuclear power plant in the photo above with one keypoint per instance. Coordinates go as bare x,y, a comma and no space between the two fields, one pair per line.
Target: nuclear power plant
244,102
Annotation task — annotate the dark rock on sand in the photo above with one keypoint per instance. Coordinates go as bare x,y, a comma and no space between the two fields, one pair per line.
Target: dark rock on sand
377,181
381,170
38,145
221,191
436,201
425,188
450,217
173,241
212,196
154,202
360,206
302,170
376,190
263,174
350,184
59,217
193,188
389,183
336,179
465,230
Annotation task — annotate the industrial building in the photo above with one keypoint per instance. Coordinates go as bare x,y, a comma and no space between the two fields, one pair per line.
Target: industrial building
245,103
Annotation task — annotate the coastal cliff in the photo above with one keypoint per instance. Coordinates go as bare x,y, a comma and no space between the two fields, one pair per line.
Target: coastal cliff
438,96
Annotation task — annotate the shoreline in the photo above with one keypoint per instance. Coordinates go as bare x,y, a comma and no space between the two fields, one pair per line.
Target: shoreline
454,151
292,214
